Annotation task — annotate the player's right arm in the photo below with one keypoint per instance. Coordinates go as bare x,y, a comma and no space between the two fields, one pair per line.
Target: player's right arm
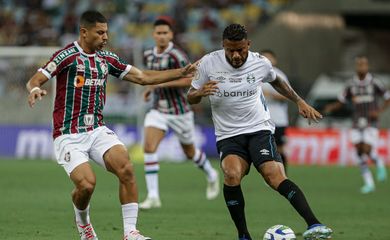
151,77
34,87
194,95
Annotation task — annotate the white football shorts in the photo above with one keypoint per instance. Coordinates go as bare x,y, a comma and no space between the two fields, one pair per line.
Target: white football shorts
182,125
71,150
369,135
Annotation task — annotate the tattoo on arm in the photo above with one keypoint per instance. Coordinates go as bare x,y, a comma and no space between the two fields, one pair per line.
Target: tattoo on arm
285,89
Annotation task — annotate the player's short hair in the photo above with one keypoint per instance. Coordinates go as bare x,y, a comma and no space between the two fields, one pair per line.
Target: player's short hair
235,32
90,18
268,51
164,20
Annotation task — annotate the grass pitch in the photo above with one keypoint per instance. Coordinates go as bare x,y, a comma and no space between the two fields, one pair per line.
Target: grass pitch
35,204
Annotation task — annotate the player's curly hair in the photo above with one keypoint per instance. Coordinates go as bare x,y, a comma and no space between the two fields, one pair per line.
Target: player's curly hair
235,32
90,18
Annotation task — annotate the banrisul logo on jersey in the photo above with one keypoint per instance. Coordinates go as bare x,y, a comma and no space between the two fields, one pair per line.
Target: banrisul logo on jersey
251,78
225,93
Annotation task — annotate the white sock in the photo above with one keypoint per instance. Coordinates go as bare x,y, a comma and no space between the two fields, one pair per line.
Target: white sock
129,214
378,160
82,216
203,163
151,174
365,171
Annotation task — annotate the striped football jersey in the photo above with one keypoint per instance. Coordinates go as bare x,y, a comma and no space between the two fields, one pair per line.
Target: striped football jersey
81,87
168,100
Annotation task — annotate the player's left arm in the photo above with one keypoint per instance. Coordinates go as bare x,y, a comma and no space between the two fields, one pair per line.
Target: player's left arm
34,87
151,77
305,109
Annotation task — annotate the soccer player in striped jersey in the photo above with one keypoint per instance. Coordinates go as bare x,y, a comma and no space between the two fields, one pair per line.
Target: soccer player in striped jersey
231,79
364,92
79,131
170,110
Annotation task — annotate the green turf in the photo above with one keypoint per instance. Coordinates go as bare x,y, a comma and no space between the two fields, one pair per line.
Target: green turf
35,204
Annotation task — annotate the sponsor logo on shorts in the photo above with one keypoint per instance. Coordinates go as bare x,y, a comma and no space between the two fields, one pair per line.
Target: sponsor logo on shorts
110,133
67,157
264,151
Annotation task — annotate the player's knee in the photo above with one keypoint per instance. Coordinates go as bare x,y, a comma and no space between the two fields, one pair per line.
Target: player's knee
126,173
87,186
232,176
273,178
150,148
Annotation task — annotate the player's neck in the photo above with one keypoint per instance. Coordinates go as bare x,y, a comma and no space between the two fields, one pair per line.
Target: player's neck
161,49
85,47
362,76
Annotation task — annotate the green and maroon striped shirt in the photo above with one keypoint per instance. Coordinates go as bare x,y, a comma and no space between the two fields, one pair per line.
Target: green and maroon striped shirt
81,87
168,100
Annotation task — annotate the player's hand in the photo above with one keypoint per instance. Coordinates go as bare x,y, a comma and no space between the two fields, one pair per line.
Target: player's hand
308,111
209,88
36,94
189,70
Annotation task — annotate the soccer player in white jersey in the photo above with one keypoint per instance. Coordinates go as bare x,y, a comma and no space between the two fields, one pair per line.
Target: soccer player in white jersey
79,132
278,106
170,110
231,78
365,93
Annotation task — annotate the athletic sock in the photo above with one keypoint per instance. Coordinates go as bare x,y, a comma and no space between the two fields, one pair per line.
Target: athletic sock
235,203
151,174
82,216
365,171
129,214
297,199
203,163
378,160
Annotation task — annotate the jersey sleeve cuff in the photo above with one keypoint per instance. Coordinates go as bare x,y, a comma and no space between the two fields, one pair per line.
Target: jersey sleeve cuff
46,73
127,70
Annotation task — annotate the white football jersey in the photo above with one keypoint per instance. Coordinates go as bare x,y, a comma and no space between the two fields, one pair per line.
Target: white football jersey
239,105
278,109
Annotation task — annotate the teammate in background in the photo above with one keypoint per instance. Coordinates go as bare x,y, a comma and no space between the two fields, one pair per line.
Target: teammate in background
79,133
170,110
231,79
364,92
278,106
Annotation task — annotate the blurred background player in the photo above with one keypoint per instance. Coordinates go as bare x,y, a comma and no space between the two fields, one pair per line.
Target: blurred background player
278,106
81,70
364,93
170,110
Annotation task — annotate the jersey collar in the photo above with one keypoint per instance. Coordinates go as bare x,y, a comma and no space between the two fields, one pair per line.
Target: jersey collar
82,51
365,81
169,48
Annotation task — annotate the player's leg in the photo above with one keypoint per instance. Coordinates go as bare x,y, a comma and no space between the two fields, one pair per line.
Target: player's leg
280,140
84,181
155,127
202,162
74,159
235,165
109,152
371,136
267,161
152,139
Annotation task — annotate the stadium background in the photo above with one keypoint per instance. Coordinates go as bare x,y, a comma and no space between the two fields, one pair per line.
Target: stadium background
315,42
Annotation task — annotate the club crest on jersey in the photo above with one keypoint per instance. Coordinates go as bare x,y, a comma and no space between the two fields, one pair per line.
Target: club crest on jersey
79,81
88,119
251,78
80,68
104,68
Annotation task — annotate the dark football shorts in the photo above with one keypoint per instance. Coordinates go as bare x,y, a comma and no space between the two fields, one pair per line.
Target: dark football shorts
256,148
280,138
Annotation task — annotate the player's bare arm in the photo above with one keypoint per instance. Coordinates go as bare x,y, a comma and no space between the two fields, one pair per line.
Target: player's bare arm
304,109
194,96
34,88
332,107
151,77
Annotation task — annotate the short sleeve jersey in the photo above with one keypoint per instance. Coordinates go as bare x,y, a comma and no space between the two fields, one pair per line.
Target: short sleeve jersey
168,100
239,106
278,109
364,96
81,87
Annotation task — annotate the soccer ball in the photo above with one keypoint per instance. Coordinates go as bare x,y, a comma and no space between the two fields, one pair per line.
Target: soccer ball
279,232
